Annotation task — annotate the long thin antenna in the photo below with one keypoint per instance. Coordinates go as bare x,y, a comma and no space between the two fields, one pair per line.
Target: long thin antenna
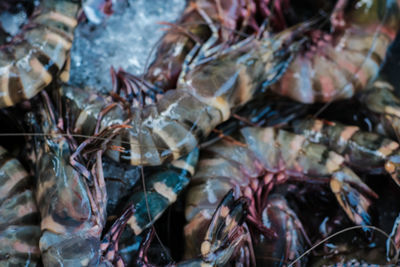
395,259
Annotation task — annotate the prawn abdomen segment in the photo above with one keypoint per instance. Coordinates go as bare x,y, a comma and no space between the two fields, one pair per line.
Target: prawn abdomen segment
361,149
19,229
63,204
347,59
23,78
229,81
280,150
161,190
150,205
168,130
30,64
13,176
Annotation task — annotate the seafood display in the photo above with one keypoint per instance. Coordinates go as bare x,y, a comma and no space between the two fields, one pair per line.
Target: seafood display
264,133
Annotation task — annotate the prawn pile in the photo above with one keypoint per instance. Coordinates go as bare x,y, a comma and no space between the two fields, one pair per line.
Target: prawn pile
264,133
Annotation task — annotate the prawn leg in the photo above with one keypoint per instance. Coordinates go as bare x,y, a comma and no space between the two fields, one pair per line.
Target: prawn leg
291,238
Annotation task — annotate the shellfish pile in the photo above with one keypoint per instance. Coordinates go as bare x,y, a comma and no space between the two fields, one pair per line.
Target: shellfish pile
260,133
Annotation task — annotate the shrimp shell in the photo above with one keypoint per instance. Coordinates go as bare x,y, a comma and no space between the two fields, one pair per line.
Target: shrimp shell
346,61
19,215
30,64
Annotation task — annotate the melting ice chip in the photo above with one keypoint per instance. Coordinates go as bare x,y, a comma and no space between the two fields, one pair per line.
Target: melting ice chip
94,10
11,23
366,3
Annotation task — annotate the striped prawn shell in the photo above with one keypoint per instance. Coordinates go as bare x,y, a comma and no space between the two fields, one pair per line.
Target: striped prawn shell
19,216
29,65
359,148
347,63
226,240
382,101
224,165
70,226
203,99
175,45
147,204
162,190
157,133
72,213
363,150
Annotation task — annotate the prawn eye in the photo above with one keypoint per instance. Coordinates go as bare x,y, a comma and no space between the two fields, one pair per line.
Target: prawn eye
390,167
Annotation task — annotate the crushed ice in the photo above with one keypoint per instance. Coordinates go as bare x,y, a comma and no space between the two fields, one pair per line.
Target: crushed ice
125,39
11,22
